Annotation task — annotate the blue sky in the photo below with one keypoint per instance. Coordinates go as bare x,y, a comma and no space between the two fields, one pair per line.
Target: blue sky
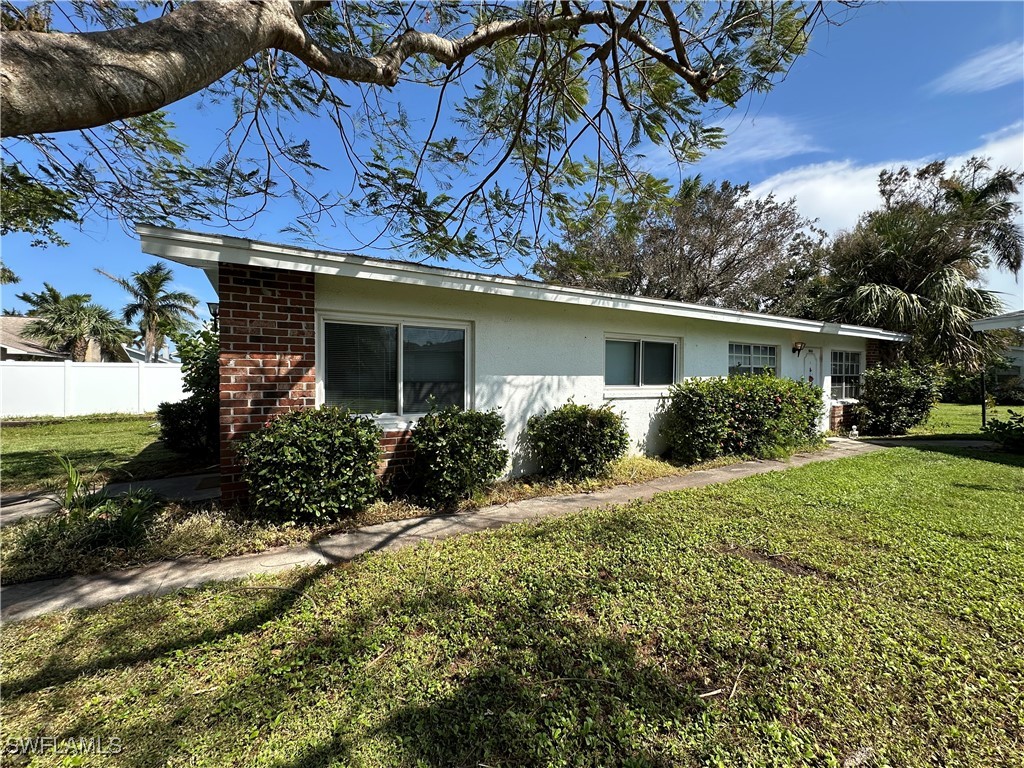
897,83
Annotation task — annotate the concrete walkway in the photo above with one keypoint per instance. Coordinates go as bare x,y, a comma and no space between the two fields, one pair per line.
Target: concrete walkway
23,601
15,506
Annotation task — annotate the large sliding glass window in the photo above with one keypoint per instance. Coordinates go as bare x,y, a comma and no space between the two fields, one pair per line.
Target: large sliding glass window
363,368
639,362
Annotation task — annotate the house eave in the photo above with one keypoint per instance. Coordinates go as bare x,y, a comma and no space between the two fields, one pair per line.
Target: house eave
206,251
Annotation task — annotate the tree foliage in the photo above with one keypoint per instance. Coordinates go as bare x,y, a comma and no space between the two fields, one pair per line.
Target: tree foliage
914,264
160,312
68,323
709,243
465,125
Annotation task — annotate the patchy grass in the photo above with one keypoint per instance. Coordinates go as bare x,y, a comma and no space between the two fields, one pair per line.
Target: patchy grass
45,548
867,611
951,420
114,447
625,471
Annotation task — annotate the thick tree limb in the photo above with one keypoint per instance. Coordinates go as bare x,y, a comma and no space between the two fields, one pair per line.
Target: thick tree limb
58,82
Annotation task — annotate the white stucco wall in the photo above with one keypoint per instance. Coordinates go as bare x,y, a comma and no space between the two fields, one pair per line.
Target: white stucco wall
527,356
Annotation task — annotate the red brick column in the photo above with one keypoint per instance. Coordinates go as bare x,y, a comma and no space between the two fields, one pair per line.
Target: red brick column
267,356
872,353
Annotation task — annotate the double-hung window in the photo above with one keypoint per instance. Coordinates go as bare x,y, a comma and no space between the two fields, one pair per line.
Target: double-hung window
394,368
845,375
745,359
639,363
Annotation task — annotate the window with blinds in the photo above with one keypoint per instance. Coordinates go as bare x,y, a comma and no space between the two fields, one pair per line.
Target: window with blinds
364,371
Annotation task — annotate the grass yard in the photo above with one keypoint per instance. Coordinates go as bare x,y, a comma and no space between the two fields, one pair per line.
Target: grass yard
865,612
115,447
46,548
951,420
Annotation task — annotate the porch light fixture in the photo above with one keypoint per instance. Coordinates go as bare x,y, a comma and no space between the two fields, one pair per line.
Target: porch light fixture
214,308
798,347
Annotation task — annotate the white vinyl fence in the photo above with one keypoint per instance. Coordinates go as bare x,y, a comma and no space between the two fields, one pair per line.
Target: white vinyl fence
78,389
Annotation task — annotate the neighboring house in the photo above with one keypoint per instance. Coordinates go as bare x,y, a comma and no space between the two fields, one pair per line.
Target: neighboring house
15,344
136,355
299,328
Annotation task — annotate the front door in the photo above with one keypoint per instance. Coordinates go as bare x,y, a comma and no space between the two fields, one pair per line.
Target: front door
812,366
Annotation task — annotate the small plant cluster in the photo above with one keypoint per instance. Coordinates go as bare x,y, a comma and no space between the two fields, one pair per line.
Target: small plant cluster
1010,433
455,454
760,415
312,465
575,442
192,425
893,400
88,521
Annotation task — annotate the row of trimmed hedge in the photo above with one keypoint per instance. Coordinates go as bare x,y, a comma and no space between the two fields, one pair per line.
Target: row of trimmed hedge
322,464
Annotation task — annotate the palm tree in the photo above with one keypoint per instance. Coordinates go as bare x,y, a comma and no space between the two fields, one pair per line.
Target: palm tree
159,311
988,210
69,323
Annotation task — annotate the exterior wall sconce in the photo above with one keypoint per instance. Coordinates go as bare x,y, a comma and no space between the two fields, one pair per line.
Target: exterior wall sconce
214,308
798,347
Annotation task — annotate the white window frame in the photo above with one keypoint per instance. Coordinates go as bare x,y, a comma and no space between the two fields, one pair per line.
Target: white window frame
860,375
641,390
400,322
728,354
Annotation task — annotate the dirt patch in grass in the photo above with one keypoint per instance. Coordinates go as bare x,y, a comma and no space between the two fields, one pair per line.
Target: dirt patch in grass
779,562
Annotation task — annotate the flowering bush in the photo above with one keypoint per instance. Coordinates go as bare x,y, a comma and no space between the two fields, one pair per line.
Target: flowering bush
759,415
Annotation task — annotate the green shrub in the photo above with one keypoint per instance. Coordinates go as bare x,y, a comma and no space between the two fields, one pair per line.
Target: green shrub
455,454
760,415
193,425
961,387
576,442
312,465
1010,391
1010,433
190,426
892,400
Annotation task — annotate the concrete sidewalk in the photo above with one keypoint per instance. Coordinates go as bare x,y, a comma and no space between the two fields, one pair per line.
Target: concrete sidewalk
23,601
15,506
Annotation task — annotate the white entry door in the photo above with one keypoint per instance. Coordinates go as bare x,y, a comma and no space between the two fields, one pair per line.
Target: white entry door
813,366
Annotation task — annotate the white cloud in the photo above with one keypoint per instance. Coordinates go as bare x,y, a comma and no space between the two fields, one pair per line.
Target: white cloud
749,140
837,193
985,71
760,139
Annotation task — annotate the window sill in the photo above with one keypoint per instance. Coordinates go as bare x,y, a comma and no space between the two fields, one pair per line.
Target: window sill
635,393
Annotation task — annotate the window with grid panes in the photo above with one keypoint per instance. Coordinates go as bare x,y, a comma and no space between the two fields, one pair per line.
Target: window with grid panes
747,359
845,375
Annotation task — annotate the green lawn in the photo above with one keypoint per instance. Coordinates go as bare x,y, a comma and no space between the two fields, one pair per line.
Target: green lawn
119,447
950,420
868,610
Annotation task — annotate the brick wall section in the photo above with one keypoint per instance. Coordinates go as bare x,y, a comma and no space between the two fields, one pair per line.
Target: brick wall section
872,353
267,356
397,456
840,418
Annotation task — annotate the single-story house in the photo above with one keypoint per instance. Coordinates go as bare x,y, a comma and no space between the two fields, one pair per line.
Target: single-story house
300,328
17,345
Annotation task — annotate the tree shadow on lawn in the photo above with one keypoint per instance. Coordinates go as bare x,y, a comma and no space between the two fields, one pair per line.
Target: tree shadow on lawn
61,666
39,469
994,454
438,674
156,461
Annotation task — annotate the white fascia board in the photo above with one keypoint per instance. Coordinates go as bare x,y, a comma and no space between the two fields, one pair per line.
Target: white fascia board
1009,320
206,251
